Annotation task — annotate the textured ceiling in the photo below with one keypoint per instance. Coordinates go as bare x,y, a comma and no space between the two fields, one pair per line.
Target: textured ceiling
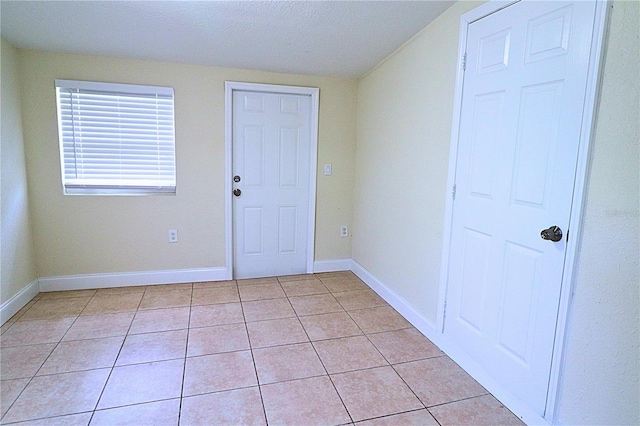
330,38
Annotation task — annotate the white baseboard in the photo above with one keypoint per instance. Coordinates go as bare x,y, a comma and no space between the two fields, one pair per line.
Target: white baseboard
18,301
126,279
398,303
425,326
333,265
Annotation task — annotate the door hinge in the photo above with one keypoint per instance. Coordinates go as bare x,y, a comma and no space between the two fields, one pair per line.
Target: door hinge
453,191
464,61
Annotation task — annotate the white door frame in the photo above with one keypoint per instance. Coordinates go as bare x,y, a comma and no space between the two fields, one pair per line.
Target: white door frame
229,88
575,222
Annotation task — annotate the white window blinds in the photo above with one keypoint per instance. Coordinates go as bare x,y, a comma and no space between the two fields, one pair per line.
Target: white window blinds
116,138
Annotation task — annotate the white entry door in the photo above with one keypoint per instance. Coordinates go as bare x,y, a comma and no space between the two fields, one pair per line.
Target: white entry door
520,127
272,170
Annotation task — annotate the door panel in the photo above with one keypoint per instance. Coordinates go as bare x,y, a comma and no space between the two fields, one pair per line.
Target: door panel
535,143
288,165
252,167
253,231
475,273
488,113
514,334
288,229
494,52
271,157
521,116
548,35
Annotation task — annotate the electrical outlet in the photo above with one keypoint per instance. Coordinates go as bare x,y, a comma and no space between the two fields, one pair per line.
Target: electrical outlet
344,231
173,235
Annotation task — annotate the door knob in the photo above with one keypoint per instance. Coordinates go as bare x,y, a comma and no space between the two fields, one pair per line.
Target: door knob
553,233
236,178
237,192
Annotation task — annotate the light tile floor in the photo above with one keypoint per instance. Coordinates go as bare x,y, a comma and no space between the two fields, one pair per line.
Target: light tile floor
318,349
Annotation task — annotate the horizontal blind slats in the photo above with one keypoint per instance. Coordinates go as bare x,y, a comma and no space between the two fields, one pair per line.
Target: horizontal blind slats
112,140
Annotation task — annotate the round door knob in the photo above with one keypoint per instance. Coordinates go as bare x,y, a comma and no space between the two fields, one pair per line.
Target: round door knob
237,192
553,233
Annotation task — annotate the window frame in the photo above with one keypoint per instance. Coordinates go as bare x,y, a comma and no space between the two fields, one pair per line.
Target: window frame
119,185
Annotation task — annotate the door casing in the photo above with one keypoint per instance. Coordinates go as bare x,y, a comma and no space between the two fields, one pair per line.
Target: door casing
314,93
594,78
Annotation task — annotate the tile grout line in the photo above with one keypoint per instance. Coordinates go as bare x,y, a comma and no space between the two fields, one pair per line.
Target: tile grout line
326,371
392,366
395,414
19,422
460,400
253,360
45,359
186,352
127,334
384,357
251,348
113,367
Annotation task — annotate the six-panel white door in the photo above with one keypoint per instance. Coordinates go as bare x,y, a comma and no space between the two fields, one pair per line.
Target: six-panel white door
271,168
521,115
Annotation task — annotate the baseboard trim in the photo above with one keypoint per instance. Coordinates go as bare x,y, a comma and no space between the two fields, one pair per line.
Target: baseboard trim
430,330
127,279
18,301
332,265
425,326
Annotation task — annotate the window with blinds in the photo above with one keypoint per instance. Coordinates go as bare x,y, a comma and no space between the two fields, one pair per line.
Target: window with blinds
116,138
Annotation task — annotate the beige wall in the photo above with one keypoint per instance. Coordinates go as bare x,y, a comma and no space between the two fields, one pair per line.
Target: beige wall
601,376
402,155
404,123
18,266
103,234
